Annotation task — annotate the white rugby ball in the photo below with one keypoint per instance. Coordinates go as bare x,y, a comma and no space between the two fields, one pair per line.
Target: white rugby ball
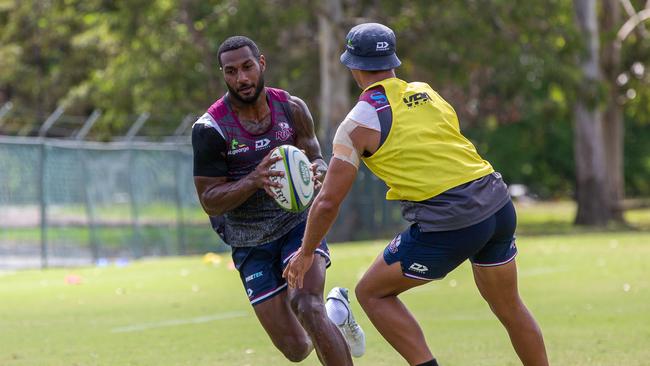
297,185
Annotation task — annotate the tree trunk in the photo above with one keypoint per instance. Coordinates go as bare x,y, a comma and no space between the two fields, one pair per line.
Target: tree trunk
591,183
334,103
334,81
613,117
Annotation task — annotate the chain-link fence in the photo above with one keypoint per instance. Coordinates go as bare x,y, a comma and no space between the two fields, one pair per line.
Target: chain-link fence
66,202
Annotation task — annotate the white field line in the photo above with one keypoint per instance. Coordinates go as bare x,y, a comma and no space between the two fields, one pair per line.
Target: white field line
176,322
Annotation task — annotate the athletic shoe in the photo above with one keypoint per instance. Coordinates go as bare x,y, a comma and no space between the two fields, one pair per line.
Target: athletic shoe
352,332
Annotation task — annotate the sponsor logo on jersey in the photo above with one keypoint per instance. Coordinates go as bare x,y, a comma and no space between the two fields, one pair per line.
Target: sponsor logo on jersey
262,144
237,148
254,276
249,292
419,268
382,46
393,246
378,97
416,99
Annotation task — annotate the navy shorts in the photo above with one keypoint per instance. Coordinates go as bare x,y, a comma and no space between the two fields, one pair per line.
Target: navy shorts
431,255
260,267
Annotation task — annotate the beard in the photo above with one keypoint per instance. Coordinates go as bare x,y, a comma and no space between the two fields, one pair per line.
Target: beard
253,98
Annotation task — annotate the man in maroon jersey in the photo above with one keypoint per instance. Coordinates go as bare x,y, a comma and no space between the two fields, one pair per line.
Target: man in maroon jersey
232,142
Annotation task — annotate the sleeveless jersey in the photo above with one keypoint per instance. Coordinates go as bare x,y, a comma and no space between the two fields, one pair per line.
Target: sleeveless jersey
424,153
259,219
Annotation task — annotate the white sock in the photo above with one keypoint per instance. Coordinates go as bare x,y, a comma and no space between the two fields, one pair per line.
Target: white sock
336,311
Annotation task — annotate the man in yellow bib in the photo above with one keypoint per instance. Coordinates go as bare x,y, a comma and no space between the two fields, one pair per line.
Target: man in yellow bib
459,207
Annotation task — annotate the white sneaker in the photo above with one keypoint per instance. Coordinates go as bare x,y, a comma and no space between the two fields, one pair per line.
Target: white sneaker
352,332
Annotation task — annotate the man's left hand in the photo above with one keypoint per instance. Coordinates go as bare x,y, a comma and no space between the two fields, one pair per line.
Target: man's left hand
318,175
297,267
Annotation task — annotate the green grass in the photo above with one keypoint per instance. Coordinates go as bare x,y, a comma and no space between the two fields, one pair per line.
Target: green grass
161,211
589,291
544,218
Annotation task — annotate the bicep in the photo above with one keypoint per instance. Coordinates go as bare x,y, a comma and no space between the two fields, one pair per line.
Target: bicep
352,140
305,133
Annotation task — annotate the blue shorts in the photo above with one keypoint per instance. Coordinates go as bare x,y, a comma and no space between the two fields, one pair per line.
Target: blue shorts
431,255
260,267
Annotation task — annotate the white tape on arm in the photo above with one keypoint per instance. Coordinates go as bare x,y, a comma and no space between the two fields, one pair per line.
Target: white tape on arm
343,148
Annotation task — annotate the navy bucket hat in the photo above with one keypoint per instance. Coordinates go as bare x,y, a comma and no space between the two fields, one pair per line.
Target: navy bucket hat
370,47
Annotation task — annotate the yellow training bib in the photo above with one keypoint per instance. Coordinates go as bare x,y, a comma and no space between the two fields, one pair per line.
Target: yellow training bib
424,153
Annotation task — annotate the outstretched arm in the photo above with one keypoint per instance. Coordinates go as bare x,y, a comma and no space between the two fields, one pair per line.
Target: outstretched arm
350,142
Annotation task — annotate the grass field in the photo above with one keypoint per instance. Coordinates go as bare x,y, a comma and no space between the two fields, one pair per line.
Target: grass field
589,291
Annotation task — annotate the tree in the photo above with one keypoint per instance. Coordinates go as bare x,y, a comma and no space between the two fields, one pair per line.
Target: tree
599,134
334,78
591,190
613,114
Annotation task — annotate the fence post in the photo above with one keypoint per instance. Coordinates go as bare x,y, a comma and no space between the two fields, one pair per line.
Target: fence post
136,238
137,125
43,203
90,209
180,219
49,122
88,124
185,123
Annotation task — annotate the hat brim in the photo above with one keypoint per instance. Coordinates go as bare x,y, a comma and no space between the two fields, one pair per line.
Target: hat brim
370,63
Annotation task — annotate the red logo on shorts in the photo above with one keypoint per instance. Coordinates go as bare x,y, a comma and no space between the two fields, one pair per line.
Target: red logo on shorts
394,244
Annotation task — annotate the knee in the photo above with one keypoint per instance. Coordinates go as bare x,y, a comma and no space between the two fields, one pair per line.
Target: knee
309,308
363,294
295,349
508,312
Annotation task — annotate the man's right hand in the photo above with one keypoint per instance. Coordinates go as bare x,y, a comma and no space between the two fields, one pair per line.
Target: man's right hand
262,176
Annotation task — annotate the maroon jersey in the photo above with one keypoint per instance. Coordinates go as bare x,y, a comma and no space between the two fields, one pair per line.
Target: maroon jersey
246,150
223,148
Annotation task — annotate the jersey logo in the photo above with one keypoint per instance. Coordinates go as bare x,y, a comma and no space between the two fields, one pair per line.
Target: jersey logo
378,97
416,99
285,133
237,148
262,144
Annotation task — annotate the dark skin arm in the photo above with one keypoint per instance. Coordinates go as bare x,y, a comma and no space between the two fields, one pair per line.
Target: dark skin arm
218,196
306,138
326,206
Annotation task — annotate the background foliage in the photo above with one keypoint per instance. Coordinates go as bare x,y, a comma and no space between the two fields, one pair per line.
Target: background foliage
508,67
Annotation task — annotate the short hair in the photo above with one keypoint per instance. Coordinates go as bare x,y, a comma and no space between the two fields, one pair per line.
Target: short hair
236,42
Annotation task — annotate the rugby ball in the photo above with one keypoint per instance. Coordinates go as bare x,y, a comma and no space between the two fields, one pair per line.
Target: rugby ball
297,188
